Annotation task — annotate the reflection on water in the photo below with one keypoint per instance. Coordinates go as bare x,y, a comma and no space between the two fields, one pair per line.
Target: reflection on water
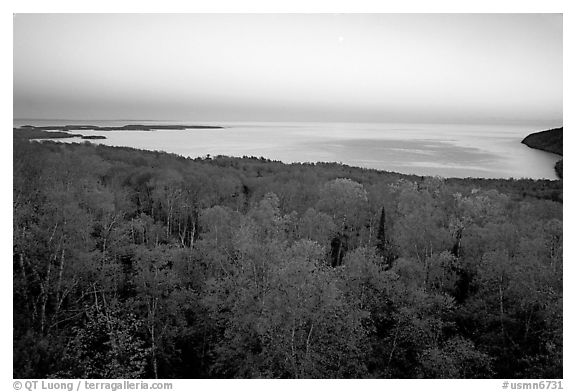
423,149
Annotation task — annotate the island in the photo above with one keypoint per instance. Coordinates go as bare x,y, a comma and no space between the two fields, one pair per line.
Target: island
32,132
93,137
550,141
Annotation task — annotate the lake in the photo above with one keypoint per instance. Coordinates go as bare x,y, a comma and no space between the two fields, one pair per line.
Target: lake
447,150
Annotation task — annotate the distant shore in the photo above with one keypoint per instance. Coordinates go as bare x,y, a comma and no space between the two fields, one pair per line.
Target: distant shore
130,127
32,132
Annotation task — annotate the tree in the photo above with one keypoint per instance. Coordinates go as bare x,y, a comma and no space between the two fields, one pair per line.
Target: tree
458,358
107,346
316,226
345,201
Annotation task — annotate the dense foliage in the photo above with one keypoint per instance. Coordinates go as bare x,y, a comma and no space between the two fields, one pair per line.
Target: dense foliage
143,264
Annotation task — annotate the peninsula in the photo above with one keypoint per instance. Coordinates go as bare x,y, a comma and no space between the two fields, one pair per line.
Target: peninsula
549,141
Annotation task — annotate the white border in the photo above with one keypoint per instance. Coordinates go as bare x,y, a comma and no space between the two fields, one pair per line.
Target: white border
309,6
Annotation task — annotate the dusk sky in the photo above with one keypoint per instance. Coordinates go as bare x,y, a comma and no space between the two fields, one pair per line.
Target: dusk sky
477,68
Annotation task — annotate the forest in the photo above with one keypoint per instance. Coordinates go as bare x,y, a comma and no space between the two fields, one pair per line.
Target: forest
141,264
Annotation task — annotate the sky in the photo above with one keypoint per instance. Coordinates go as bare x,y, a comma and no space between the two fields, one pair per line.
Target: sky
436,68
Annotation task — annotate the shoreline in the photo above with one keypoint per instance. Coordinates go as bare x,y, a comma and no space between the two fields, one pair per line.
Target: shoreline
346,166
447,159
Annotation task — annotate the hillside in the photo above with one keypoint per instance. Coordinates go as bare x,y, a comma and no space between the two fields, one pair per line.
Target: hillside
143,264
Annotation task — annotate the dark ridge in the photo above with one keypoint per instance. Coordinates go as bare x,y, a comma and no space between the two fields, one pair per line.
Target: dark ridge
559,169
549,141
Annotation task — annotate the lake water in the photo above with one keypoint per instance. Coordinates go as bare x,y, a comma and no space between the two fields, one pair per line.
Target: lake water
450,150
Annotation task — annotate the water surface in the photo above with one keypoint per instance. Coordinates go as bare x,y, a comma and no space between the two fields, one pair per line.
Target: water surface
450,150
